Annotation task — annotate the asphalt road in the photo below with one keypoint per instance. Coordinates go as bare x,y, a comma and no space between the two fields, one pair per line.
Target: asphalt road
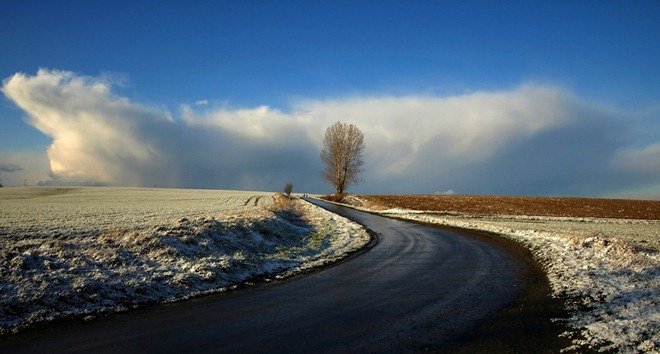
419,288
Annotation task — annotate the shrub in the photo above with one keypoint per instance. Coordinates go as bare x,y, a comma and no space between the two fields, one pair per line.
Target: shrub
288,188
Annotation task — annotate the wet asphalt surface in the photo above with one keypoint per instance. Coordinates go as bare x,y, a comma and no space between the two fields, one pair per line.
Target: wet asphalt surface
420,288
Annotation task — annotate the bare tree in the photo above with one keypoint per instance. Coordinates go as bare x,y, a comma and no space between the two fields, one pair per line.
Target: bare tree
343,145
288,188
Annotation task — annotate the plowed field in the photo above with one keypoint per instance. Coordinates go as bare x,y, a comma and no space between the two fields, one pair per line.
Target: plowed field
538,206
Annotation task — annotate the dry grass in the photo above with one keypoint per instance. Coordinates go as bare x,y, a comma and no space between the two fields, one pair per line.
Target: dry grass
338,198
539,206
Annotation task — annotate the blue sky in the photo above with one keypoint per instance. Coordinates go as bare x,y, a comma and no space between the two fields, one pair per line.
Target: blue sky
246,54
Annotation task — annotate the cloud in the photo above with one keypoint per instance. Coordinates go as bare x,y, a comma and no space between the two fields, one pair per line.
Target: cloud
9,167
202,103
33,167
642,161
96,135
471,128
532,139
447,192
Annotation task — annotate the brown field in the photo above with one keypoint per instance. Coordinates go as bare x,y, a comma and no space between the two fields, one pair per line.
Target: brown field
538,206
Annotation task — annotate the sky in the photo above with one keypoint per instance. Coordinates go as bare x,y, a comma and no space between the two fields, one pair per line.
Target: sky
513,98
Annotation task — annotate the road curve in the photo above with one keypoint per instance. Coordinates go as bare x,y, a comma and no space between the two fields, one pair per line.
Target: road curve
418,288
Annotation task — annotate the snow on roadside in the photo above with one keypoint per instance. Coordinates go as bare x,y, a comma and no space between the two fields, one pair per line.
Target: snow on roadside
611,286
45,278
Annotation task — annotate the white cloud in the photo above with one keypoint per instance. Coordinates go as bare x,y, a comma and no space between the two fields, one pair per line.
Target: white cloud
202,103
533,139
447,192
96,135
471,128
261,123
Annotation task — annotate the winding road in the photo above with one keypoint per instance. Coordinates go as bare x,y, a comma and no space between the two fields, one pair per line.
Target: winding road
419,288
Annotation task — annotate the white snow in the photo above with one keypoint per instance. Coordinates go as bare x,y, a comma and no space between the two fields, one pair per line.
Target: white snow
66,252
607,270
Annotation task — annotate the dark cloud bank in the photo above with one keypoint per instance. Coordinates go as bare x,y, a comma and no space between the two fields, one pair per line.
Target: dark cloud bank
9,167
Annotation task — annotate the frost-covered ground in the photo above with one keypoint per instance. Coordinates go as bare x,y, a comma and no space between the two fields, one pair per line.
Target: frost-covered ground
71,252
88,211
607,270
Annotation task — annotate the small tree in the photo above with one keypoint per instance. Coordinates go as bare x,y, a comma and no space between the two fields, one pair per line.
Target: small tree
288,188
343,145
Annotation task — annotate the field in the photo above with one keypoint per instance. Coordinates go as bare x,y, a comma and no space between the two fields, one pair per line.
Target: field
537,206
601,256
63,212
634,221
84,251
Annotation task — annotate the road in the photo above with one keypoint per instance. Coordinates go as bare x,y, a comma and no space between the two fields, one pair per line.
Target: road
419,288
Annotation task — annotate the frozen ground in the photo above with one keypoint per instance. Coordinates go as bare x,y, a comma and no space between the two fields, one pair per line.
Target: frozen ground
607,270
71,252
54,212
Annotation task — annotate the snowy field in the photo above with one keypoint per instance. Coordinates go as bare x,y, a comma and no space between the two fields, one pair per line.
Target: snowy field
607,270
54,212
84,251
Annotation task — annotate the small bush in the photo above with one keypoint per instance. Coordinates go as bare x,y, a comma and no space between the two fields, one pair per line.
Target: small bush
337,198
288,188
